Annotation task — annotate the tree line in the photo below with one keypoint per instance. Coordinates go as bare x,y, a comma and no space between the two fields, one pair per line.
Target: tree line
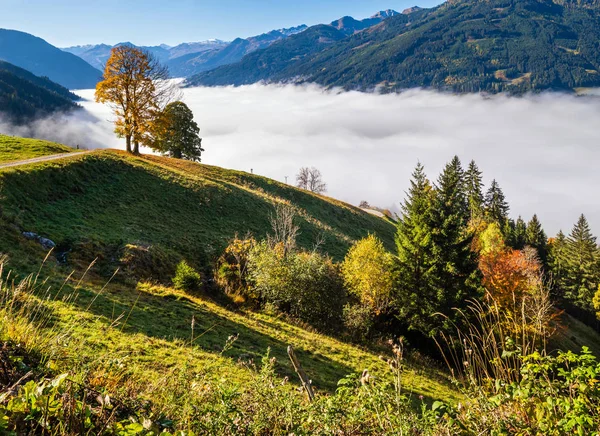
455,244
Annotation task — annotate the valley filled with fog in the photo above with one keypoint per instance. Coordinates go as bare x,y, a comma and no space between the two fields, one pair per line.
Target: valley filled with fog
543,150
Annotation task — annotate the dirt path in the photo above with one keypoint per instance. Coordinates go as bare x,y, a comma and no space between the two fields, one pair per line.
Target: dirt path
19,163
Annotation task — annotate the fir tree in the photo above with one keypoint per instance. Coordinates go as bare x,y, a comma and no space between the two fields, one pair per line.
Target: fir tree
557,264
474,190
536,237
520,234
496,206
414,243
454,276
582,274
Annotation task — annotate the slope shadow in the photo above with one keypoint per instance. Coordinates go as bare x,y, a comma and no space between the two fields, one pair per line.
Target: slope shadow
169,317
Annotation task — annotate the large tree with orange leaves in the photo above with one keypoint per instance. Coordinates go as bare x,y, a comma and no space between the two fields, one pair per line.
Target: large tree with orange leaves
136,87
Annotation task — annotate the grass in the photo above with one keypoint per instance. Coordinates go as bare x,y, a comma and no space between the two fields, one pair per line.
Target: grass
96,204
13,148
107,199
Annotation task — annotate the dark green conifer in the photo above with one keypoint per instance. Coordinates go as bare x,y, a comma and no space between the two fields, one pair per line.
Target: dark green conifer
520,234
536,237
474,190
415,250
582,273
496,206
557,264
454,276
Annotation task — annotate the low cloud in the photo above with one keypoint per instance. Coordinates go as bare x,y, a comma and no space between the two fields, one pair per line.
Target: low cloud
543,150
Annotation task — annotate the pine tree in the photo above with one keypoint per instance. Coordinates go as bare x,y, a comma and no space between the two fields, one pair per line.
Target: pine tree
414,243
473,188
557,264
454,275
496,206
520,234
536,237
582,272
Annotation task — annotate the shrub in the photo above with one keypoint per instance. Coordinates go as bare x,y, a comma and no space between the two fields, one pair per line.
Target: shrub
358,320
232,269
187,278
306,285
368,272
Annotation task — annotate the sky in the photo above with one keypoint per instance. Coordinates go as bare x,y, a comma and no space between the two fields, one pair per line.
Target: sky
543,150
66,23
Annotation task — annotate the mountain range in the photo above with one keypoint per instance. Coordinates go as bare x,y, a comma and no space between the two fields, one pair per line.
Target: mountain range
25,96
191,58
462,45
188,59
43,59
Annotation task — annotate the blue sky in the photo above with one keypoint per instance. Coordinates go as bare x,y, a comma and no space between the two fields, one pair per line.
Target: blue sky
151,22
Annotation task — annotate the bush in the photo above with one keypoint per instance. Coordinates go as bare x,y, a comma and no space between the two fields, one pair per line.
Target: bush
187,278
359,320
232,269
306,285
368,272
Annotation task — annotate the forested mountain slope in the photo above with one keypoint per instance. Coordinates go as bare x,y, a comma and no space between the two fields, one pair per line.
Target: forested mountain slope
24,96
464,46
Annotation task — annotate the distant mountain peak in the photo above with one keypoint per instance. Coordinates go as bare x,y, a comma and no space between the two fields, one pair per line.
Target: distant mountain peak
385,14
411,10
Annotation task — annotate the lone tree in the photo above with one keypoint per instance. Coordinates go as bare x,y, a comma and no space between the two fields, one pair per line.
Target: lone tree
136,87
176,133
311,179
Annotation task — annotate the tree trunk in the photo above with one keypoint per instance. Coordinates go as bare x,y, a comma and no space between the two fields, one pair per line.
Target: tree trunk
128,141
136,147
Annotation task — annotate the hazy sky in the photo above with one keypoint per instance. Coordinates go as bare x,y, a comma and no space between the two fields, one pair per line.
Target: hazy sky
543,150
152,22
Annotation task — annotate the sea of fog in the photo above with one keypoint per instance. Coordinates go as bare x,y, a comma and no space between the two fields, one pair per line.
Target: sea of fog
544,150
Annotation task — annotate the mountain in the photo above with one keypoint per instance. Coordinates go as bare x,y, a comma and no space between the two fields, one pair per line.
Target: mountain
278,57
350,25
43,59
462,45
97,55
234,52
187,59
272,61
24,96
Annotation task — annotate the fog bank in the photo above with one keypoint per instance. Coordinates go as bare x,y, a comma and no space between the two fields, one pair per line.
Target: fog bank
543,150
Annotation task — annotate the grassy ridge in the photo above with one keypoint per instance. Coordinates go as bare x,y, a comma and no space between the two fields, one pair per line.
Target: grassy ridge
13,148
136,339
110,199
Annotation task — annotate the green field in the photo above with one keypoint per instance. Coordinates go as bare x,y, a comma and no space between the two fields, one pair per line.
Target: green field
13,148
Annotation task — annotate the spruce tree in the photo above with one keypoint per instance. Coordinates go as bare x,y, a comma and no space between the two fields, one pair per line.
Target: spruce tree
536,237
496,206
454,275
557,264
520,234
582,274
415,251
474,190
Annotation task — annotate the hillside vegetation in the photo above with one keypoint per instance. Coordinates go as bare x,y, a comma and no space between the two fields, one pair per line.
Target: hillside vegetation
97,204
24,96
163,352
14,148
464,46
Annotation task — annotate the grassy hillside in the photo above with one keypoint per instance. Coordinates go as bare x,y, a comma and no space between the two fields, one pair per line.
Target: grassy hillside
148,342
13,148
96,204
